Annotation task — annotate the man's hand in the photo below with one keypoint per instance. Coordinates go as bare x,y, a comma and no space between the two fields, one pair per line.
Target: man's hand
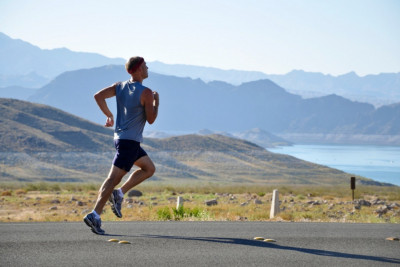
109,122
156,99
101,97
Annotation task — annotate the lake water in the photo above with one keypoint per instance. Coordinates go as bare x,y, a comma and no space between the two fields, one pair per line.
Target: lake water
380,163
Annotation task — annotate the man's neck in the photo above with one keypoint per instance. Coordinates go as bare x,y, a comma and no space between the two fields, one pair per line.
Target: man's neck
136,79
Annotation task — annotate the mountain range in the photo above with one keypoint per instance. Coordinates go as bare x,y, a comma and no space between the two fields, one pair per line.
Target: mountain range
28,66
41,143
377,89
189,105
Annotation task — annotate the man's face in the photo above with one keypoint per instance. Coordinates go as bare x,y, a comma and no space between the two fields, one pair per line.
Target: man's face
145,73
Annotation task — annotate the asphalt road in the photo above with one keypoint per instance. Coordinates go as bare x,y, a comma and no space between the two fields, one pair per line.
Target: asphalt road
199,244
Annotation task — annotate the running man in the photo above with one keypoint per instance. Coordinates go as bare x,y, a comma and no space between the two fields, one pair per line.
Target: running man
136,104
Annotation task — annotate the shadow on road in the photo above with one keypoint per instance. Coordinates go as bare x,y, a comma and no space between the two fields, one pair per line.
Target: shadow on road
247,242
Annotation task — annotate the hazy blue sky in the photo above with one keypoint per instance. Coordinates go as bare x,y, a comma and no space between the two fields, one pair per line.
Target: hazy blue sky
329,36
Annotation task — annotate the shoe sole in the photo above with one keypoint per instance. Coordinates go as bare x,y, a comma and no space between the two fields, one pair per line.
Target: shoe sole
90,224
115,211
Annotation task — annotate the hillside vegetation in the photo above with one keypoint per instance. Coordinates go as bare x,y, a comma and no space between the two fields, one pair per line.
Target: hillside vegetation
40,143
27,127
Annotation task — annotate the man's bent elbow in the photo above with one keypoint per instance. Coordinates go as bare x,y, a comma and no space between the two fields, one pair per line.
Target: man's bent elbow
151,118
151,121
96,97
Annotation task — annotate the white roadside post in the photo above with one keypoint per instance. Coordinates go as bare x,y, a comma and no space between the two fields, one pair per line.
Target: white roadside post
179,202
274,204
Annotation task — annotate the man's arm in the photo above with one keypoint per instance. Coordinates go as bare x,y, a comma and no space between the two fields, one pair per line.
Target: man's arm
100,98
150,100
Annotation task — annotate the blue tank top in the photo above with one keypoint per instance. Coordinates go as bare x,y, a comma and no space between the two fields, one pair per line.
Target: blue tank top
131,116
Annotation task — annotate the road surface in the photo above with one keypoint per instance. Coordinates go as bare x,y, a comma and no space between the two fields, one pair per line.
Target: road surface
199,244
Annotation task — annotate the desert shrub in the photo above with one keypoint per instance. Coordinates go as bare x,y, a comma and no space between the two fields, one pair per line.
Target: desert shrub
6,193
183,212
20,191
180,213
287,216
301,197
164,214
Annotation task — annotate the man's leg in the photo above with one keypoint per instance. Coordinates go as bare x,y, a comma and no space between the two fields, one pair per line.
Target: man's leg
146,170
114,178
93,219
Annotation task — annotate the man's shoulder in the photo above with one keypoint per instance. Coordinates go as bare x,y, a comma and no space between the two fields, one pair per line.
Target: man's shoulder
132,84
143,87
118,84
122,84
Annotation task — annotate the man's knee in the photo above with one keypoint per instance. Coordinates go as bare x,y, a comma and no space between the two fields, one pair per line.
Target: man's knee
150,169
146,165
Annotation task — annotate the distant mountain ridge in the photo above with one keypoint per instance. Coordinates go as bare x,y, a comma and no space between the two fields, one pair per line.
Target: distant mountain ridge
30,80
378,89
207,74
192,105
41,143
262,138
17,92
26,65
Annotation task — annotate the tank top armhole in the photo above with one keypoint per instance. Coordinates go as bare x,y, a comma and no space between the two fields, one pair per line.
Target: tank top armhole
117,85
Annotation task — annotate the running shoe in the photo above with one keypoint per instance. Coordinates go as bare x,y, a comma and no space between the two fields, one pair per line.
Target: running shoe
94,224
116,202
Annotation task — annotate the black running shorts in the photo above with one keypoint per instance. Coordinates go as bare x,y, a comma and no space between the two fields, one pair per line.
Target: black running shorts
128,151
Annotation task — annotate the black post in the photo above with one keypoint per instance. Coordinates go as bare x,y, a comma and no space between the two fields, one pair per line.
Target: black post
353,185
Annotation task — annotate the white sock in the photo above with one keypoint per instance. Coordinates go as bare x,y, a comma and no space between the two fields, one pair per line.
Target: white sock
121,195
97,216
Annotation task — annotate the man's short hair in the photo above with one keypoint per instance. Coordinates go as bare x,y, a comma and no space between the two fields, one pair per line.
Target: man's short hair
133,64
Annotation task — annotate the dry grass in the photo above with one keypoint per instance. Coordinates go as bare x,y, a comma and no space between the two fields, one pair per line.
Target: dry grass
70,202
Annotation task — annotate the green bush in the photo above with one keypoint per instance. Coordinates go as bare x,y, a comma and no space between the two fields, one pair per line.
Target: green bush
180,213
164,214
183,212
301,197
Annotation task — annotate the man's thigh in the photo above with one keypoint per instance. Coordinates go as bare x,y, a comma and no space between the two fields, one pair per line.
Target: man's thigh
145,163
